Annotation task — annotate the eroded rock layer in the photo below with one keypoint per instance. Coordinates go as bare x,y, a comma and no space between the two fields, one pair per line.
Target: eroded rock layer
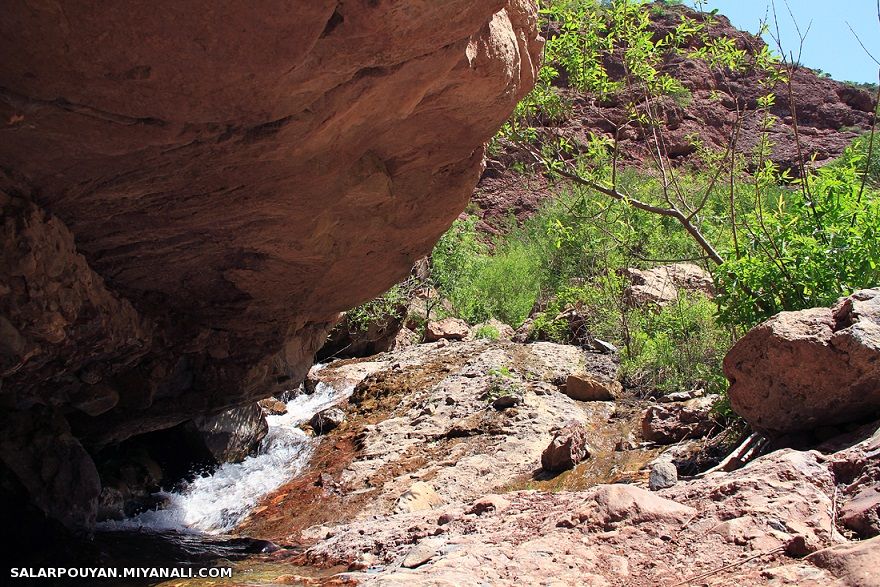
191,193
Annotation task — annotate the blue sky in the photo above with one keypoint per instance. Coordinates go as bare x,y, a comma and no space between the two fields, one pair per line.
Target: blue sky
829,46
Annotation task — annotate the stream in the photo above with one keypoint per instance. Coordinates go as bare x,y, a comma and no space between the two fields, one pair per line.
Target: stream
196,520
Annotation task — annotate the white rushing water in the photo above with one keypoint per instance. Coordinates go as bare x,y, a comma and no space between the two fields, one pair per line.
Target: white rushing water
218,502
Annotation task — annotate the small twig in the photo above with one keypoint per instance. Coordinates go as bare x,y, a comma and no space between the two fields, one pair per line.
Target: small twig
730,566
741,455
834,512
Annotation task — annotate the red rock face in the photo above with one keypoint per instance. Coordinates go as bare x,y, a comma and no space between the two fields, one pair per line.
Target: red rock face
233,177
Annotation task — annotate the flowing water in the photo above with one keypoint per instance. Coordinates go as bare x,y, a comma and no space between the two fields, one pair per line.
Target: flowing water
217,502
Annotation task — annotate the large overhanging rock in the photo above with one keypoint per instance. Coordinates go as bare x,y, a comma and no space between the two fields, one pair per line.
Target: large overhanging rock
192,192
799,371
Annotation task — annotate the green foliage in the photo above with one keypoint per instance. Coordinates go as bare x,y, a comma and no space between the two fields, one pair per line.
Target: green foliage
389,306
679,347
785,244
809,247
502,284
487,332
588,35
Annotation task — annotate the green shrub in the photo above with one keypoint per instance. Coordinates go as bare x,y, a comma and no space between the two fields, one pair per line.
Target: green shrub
480,285
678,348
809,248
487,332
389,306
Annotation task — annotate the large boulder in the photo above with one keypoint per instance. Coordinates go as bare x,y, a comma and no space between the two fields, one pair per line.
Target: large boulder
448,328
817,367
234,434
674,422
191,194
661,285
587,388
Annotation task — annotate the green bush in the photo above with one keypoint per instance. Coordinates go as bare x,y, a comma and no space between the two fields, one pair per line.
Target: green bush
389,306
812,246
480,284
487,332
678,348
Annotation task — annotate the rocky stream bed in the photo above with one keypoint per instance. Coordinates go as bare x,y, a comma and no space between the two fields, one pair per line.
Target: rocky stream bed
430,473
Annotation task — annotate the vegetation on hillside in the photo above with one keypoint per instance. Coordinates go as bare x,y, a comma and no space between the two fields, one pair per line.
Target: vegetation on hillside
773,240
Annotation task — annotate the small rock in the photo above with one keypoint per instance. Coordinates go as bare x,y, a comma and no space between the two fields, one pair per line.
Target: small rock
419,555
663,475
542,388
447,517
506,401
419,497
681,396
489,503
326,420
567,449
586,388
604,346
624,444
272,406
448,329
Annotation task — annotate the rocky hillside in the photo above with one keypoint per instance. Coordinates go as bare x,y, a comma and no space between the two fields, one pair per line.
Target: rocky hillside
191,194
829,115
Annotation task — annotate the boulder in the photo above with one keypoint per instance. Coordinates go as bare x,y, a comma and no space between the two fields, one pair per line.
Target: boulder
674,422
327,420
861,512
615,504
568,448
51,464
234,434
419,497
586,388
405,338
448,328
855,563
272,406
802,370
660,285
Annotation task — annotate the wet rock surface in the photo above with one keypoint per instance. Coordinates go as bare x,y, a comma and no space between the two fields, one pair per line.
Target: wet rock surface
753,526
431,484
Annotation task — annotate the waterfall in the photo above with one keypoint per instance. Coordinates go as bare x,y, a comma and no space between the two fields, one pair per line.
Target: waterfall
217,502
